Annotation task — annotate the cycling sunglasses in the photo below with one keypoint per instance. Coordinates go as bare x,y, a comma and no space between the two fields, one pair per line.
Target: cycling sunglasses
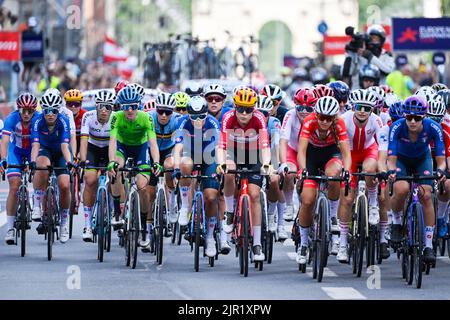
164,112
133,106
106,106
246,110
360,107
325,118
26,111
300,108
73,104
48,111
195,117
214,98
180,109
411,117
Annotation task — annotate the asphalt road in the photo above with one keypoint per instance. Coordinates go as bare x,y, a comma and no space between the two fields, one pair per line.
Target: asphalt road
75,273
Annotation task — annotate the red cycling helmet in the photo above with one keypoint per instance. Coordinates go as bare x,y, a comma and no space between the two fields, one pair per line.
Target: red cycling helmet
150,105
321,90
305,97
26,101
386,88
120,85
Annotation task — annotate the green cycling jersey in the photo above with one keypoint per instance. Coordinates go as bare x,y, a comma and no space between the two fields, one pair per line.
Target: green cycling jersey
132,133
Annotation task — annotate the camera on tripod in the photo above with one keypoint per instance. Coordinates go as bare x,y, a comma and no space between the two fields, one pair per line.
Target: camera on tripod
358,39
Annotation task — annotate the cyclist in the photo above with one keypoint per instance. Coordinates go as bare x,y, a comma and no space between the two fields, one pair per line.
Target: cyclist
436,109
341,92
95,131
50,137
132,133
181,101
16,145
274,93
66,112
395,107
150,105
380,106
323,143
364,129
369,75
243,136
445,96
74,99
215,96
166,124
192,150
438,87
321,90
275,197
305,100
119,86
409,153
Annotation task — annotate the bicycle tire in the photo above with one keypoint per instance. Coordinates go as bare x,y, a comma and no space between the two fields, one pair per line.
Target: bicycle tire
418,247
361,234
323,217
197,229
264,229
174,232
125,236
135,229
101,215
50,206
371,247
270,248
161,198
23,221
442,246
246,234
73,192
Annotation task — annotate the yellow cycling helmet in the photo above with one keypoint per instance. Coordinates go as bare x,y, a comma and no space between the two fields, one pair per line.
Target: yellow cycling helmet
181,99
245,97
73,95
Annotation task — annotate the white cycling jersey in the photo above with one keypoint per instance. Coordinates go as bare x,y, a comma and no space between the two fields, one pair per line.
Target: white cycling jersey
385,118
290,130
69,114
362,138
383,138
98,133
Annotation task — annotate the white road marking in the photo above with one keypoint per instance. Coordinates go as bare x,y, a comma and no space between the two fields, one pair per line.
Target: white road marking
343,293
326,272
2,218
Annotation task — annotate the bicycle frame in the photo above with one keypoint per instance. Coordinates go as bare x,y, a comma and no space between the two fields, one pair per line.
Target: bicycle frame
243,193
414,200
102,185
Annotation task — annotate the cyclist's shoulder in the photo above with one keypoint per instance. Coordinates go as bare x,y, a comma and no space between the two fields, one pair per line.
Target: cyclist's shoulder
212,122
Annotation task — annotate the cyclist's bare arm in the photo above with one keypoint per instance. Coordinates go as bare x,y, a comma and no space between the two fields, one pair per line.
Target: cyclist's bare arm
301,155
83,148
346,154
112,149
382,160
35,151
73,143
266,156
440,163
154,149
177,149
282,150
392,163
4,147
66,152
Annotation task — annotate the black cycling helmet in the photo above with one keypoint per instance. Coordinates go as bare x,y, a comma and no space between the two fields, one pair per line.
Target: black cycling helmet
194,89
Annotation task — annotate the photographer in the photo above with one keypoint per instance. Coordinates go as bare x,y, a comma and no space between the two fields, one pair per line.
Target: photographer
366,49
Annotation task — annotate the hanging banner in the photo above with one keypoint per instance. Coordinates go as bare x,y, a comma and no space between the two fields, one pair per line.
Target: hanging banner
335,45
9,46
421,34
32,47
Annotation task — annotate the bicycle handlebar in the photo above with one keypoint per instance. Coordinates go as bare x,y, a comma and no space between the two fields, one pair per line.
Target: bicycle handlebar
324,179
414,179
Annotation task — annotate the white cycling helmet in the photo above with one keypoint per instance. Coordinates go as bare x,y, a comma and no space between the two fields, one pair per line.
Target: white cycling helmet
51,99
380,95
365,97
105,97
426,92
436,107
391,99
140,89
327,105
264,103
165,101
214,88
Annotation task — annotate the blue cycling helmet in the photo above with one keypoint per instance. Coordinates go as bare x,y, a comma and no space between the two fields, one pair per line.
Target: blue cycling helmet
341,90
395,106
415,105
128,95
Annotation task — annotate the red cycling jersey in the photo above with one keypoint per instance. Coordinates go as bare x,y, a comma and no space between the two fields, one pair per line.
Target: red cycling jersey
310,131
253,136
78,120
446,131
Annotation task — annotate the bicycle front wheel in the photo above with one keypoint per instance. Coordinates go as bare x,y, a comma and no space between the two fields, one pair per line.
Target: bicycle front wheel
418,245
134,229
323,237
360,234
197,230
245,234
161,198
23,218
48,220
101,216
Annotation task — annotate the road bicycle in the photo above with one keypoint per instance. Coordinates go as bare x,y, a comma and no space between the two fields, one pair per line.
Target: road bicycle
320,232
22,222
75,199
413,231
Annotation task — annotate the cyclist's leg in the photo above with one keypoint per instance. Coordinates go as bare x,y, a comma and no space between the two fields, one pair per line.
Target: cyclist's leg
397,202
211,192
40,180
117,187
370,165
229,190
14,183
170,188
186,167
306,212
288,188
442,212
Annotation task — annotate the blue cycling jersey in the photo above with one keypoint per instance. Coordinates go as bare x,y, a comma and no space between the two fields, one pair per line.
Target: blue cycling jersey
222,112
401,145
199,144
165,134
51,140
20,136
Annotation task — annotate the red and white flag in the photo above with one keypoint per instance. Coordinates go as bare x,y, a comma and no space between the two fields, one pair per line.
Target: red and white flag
112,52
